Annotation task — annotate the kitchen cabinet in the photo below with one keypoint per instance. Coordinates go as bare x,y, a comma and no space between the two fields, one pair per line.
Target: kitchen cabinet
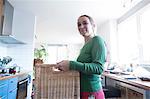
12,88
123,91
132,94
128,90
3,89
8,88
127,93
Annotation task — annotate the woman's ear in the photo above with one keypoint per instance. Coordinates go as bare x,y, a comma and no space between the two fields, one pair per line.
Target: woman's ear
94,27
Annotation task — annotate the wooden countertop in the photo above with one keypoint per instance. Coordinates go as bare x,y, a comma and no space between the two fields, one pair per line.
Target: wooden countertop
135,82
13,75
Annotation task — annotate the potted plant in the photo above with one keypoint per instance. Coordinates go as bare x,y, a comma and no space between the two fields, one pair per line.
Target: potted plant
40,55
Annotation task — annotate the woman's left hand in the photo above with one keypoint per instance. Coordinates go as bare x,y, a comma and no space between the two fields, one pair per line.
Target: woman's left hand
63,65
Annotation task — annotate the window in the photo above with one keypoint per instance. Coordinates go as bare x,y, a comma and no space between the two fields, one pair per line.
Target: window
56,53
127,41
133,38
145,35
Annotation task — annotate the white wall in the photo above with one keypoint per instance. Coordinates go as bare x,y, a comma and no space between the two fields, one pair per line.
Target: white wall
108,31
3,50
23,28
73,51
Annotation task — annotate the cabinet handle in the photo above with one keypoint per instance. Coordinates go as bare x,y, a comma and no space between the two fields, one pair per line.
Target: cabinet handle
21,82
11,91
11,82
3,86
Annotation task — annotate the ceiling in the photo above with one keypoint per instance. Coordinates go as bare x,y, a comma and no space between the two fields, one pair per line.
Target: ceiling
56,19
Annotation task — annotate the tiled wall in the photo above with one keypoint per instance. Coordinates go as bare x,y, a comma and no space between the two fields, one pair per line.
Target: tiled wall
22,56
3,50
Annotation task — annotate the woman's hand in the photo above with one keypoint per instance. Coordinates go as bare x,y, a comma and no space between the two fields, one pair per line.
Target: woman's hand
63,65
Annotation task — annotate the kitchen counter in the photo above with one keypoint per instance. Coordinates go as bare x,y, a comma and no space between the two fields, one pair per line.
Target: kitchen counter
7,76
13,85
135,81
130,86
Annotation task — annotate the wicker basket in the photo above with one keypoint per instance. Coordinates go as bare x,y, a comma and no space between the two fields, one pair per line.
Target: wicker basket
52,84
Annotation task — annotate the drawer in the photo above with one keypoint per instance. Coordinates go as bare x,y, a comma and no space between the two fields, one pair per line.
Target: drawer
3,88
12,84
12,94
3,97
3,82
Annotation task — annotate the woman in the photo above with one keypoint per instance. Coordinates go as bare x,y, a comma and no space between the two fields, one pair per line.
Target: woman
90,62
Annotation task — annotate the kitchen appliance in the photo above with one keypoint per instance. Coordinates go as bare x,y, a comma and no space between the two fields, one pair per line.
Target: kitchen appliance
22,86
6,20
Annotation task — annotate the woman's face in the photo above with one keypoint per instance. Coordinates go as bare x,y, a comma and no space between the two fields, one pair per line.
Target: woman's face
84,26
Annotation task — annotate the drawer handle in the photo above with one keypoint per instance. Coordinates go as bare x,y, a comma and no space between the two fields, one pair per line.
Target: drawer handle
3,86
11,91
11,82
21,82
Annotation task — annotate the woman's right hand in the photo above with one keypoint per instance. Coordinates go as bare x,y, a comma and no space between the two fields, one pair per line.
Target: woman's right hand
63,65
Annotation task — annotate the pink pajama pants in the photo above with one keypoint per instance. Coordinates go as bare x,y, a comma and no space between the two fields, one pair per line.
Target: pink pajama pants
93,95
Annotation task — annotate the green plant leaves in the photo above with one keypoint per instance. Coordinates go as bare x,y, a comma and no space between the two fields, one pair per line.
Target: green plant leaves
40,53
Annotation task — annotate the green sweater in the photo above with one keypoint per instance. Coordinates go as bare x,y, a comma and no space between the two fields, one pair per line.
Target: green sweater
90,64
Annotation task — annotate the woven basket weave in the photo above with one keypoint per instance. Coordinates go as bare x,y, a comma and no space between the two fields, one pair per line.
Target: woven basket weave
52,84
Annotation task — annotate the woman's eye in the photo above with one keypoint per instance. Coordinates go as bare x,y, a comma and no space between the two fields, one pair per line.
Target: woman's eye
79,24
85,23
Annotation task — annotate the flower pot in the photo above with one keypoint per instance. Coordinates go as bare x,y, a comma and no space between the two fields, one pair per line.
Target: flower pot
37,61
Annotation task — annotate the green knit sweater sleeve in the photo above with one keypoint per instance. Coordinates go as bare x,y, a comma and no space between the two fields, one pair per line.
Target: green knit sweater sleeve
98,57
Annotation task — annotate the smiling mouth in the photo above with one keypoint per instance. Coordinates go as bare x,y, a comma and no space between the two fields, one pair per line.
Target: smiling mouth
83,31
